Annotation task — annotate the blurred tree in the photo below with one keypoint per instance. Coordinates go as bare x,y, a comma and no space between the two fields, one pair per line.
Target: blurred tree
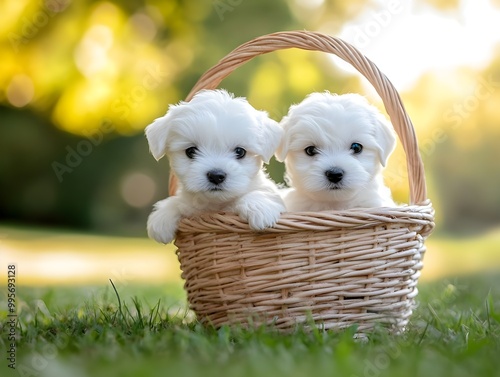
80,62
97,70
79,81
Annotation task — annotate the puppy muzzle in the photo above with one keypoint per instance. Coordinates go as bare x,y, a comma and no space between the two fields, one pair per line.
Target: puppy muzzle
216,177
334,175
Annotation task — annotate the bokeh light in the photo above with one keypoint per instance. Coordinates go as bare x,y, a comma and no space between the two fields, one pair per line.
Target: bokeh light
20,91
138,189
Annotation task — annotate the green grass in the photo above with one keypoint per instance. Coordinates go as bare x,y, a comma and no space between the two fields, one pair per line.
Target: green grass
86,331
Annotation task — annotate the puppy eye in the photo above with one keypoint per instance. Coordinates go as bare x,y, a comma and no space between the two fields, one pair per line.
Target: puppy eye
240,152
356,148
191,152
311,150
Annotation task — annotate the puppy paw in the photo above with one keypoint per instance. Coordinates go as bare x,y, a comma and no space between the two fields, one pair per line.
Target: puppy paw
260,211
162,223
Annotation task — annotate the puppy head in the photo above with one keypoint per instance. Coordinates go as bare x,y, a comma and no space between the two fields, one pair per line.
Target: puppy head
215,143
334,145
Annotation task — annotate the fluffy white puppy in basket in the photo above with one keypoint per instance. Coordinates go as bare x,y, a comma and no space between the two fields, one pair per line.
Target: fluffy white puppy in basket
216,145
334,149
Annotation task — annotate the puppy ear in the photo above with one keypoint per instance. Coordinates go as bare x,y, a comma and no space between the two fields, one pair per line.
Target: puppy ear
269,136
386,139
282,149
157,134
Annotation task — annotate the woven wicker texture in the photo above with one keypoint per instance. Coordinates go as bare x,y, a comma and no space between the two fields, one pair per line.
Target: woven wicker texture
330,268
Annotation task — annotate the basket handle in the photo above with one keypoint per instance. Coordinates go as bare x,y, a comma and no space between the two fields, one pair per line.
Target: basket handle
314,41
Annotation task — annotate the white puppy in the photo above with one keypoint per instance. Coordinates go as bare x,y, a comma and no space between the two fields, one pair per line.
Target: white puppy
334,149
216,145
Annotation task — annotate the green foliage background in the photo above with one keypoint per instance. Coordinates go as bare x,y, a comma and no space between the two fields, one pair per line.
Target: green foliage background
79,82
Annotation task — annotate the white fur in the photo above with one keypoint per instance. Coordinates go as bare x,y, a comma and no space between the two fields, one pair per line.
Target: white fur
332,123
215,123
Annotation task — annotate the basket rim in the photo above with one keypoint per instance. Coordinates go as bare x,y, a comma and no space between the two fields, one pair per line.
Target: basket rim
421,215
316,41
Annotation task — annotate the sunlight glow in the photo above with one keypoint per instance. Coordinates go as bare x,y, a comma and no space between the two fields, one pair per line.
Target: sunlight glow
91,55
67,258
407,41
85,101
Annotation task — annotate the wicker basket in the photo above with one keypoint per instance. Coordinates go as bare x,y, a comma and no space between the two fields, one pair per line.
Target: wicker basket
331,268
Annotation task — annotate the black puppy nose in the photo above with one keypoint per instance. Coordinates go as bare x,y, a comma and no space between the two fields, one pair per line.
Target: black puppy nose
216,176
334,175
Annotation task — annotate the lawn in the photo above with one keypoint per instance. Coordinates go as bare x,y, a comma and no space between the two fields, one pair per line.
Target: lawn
141,327
83,331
